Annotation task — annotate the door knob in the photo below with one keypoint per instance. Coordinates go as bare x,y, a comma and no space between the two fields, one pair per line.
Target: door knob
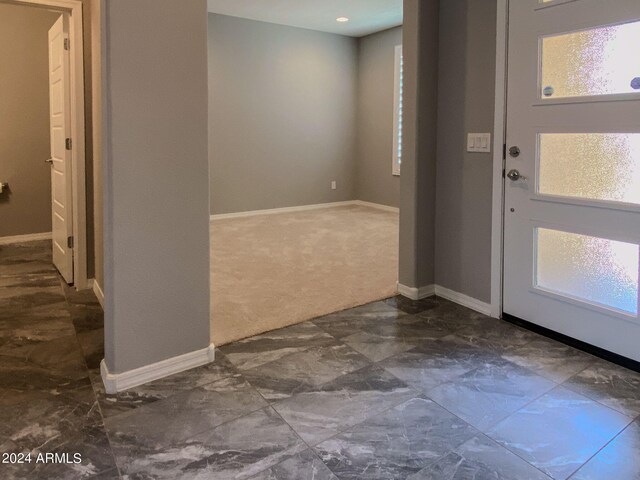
49,160
514,175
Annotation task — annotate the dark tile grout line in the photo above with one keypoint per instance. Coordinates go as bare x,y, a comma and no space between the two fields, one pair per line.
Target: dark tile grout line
564,382
341,431
556,385
600,450
540,396
492,425
532,401
420,393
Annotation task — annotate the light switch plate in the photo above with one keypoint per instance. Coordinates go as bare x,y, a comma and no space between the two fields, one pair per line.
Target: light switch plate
479,142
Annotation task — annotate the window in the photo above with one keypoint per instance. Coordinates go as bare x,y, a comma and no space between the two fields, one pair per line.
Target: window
397,113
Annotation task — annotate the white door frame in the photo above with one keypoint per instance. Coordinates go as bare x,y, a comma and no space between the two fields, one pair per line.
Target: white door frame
499,139
78,166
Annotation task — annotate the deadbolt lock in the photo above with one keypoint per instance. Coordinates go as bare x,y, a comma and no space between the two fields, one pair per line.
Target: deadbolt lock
514,151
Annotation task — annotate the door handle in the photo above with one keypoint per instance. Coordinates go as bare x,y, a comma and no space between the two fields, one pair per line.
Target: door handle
514,176
49,160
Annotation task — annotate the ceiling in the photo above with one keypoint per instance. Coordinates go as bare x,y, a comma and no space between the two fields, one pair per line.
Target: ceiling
365,16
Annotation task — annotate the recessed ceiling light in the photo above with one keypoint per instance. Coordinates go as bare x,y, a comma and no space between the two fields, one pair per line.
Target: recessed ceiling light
342,19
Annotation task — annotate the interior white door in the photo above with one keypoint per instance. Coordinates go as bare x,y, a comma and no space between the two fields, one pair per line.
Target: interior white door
60,128
572,193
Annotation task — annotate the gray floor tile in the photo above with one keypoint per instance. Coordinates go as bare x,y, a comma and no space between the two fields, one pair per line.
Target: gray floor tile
479,459
559,432
618,460
550,359
268,347
435,362
490,393
456,316
381,341
304,370
412,306
44,422
355,320
111,474
612,385
238,450
501,337
368,420
170,421
35,417
396,443
302,466
321,413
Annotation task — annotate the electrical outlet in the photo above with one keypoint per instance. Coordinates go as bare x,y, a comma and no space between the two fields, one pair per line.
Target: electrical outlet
334,185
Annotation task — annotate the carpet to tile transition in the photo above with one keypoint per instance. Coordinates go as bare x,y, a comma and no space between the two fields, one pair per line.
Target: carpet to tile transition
270,271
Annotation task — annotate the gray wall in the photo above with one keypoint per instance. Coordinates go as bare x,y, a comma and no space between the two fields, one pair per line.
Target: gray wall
376,82
24,120
156,181
464,180
282,115
418,179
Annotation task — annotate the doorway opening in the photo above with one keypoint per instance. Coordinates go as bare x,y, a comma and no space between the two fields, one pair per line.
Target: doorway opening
305,156
64,158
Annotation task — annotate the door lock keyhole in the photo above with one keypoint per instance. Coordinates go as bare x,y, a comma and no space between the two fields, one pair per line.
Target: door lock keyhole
514,151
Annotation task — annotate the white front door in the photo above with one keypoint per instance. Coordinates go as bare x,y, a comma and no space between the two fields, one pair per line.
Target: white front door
572,193
60,128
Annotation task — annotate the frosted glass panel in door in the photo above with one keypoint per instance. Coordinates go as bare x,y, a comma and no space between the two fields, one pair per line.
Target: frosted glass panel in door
599,61
595,270
598,166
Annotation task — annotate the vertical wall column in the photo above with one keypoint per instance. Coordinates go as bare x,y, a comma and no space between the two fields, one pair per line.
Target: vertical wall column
156,187
418,177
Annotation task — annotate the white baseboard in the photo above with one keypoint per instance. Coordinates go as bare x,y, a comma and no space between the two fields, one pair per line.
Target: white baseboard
455,297
32,237
416,293
273,211
118,382
302,208
378,206
464,300
97,290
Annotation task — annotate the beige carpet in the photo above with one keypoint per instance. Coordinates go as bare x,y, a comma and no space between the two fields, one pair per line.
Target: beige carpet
270,271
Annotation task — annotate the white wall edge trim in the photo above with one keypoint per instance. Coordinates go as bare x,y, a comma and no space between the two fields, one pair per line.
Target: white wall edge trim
32,237
302,208
464,300
416,293
378,206
118,382
499,139
97,291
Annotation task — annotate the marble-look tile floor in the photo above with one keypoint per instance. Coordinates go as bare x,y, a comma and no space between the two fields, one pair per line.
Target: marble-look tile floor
390,390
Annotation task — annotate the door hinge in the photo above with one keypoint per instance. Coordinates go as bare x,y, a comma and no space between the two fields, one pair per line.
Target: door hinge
67,44
68,144
70,242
